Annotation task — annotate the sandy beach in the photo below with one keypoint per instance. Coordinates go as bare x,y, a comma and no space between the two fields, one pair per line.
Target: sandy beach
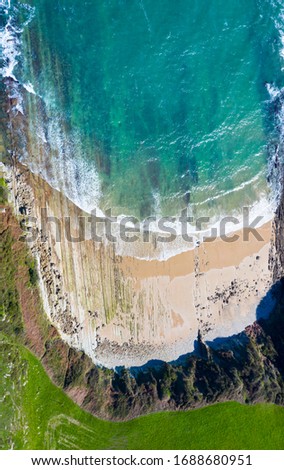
214,289
122,310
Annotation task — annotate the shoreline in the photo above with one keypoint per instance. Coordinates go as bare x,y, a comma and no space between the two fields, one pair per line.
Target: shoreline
161,251
126,311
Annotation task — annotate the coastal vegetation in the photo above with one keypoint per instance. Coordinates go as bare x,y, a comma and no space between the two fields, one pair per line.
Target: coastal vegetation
3,190
43,417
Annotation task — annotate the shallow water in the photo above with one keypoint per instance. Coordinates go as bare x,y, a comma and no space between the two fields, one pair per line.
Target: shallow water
149,107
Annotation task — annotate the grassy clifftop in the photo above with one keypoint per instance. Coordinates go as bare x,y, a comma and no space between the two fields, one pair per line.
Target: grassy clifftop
45,418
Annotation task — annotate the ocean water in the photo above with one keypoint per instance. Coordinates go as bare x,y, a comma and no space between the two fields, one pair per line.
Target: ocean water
150,107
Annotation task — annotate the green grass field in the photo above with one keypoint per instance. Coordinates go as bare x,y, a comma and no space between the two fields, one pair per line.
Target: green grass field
38,415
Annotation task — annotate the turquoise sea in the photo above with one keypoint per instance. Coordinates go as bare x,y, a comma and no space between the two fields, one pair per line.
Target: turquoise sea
149,107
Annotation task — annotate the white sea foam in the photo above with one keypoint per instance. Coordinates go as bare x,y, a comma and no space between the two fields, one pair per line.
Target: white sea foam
10,43
63,165
157,203
29,87
273,91
9,49
262,211
6,4
223,193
